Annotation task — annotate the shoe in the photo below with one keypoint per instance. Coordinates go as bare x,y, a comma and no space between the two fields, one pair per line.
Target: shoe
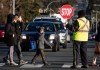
6,61
13,64
22,62
33,63
85,66
94,65
73,67
46,64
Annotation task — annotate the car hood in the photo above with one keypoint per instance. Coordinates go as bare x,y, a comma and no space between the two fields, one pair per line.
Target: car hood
32,33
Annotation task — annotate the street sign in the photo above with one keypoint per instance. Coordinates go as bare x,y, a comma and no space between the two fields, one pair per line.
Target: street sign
66,11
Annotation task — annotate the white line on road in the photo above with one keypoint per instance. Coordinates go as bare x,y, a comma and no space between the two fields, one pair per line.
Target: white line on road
2,64
32,66
69,65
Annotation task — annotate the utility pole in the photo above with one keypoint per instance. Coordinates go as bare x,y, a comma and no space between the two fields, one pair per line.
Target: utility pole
13,7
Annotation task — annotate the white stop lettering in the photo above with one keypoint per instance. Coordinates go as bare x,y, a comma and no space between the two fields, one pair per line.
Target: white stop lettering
66,11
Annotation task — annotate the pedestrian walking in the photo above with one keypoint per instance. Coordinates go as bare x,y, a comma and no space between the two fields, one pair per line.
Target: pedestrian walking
80,30
17,38
97,48
19,28
9,39
40,40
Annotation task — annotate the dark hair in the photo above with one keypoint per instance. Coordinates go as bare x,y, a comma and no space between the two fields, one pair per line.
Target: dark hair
10,18
40,28
16,15
81,13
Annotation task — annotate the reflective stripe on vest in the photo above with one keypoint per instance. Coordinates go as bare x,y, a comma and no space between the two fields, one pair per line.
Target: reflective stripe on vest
85,25
82,33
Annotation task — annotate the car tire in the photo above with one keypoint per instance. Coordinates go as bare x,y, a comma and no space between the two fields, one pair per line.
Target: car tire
24,47
55,46
65,45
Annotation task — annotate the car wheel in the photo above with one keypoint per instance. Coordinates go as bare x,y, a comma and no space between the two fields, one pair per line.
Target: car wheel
65,45
55,47
24,47
58,46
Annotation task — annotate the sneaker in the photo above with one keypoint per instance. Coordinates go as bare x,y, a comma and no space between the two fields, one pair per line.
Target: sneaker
22,62
6,61
13,64
73,67
85,66
33,62
93,65
46,64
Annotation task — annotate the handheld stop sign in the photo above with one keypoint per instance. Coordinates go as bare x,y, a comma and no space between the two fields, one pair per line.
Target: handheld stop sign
66,11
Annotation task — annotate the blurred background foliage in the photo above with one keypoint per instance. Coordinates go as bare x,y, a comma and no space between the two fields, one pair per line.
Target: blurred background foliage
30,8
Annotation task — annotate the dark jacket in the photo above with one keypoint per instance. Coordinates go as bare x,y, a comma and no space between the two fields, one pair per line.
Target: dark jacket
41,40
97,38
9,31
18,29
73,27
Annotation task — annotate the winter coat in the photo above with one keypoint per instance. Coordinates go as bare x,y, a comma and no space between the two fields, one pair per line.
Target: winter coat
41,40
97,38
9,31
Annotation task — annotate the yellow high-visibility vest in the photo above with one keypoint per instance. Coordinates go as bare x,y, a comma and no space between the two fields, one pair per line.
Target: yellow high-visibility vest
83,30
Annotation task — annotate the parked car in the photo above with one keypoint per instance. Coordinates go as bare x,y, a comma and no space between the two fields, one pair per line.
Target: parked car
2,27
30,32
92,36
63,34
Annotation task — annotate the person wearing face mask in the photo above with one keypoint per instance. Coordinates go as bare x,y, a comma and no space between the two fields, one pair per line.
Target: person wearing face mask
40,40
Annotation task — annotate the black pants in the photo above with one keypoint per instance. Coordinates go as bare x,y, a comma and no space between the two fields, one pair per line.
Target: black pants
39,52
79,48
17,49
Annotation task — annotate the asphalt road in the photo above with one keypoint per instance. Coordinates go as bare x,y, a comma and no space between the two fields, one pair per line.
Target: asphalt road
61,60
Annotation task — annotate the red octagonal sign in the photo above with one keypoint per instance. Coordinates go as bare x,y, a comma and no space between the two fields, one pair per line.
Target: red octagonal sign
66,11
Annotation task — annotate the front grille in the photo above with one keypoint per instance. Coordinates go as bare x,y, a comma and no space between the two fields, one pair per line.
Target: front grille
47,37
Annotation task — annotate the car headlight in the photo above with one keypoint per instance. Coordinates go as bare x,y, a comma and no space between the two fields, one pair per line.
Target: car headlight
23,36
62,35
3,32
52,36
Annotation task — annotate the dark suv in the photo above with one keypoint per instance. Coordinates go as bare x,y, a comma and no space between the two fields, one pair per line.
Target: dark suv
64,37
30,32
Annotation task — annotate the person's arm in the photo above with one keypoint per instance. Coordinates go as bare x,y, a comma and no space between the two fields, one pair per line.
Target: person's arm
22,26
75,26
46,42
69,26
8,30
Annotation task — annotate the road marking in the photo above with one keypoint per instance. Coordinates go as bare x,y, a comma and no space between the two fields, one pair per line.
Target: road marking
69,65
2,64
32,66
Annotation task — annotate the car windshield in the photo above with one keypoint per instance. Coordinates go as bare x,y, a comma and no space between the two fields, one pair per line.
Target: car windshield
49,27
58,25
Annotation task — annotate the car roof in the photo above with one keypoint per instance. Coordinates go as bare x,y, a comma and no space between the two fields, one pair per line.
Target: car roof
41,22
45,18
